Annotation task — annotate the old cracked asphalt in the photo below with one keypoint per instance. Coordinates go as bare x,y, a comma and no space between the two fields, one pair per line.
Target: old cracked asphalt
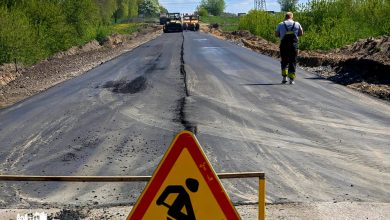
316,141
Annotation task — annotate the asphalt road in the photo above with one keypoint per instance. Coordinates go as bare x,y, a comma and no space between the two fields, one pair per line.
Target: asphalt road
316,141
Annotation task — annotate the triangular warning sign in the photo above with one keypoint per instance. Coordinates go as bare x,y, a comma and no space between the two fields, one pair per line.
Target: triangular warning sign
184,186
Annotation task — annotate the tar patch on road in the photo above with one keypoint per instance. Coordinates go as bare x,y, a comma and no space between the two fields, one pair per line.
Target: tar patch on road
181,103
182,117
127,87
69,214
69,157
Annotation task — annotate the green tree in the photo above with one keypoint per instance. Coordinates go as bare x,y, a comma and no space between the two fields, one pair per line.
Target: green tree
17,39
288,5
149,8
214,7
106,10
122,10
133,8
163,10
49,25
82,15
202,11
32,30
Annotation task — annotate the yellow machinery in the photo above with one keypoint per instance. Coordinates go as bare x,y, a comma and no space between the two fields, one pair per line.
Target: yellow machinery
173,23
191,22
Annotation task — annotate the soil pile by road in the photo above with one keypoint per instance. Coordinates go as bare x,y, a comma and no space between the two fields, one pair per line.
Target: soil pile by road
363,66
18,83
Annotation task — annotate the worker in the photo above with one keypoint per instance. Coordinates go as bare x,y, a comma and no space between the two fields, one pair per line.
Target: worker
288,31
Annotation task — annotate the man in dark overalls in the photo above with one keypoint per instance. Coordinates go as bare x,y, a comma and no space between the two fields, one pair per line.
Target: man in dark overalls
288,31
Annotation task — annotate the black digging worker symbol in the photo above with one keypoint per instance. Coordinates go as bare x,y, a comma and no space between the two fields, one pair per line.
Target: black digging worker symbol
175,210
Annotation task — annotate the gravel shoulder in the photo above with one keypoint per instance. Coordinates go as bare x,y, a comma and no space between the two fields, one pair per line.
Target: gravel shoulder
324,210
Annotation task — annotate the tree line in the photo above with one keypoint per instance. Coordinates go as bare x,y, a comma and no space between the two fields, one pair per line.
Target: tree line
32,30
211,7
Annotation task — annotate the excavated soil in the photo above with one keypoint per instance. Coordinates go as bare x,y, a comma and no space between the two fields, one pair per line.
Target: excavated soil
363,66
18,83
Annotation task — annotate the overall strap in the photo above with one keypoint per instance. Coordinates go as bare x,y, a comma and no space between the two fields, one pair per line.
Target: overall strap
293,26
285,26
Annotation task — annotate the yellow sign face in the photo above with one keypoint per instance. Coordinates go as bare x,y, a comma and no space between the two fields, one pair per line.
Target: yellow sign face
202,205
184,186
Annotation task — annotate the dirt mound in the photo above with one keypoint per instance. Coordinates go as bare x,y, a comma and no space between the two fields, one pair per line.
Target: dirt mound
113,40
371,48
211,28
8,73
91,46
244,34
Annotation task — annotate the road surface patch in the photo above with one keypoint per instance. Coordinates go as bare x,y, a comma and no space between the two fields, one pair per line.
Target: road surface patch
124,86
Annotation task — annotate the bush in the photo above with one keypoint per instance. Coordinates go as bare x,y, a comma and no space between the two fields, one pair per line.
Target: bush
18,40
226,23
203,12
261,23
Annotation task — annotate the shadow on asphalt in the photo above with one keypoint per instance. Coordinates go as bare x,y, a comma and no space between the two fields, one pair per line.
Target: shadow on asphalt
261,84
316,78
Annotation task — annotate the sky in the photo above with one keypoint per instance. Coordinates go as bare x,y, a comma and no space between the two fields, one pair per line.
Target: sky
233,6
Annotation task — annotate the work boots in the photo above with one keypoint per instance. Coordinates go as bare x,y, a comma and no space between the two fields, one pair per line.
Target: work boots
284,81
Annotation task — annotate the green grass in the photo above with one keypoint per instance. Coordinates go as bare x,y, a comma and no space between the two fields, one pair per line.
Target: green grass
226,23
261,24
327,24
126,28
122,28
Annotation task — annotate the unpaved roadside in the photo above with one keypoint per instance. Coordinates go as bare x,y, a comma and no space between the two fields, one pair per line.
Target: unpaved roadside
362,66
324,210
17,86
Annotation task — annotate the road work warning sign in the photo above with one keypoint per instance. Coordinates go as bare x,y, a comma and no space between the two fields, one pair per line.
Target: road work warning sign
184,187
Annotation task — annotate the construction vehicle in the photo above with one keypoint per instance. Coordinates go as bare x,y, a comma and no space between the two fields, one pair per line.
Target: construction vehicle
191,22
163,18
173,23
